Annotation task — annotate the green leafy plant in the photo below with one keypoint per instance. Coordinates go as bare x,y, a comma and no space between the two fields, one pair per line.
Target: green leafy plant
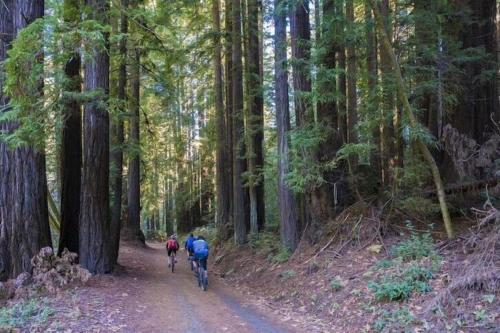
285,275
282,256
397,321
415,247
32,311
335,284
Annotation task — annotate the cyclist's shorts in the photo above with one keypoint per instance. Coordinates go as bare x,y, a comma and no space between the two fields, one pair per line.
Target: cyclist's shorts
203,263
169,251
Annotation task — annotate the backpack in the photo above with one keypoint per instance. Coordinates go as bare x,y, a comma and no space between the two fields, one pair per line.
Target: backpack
172,244
200,248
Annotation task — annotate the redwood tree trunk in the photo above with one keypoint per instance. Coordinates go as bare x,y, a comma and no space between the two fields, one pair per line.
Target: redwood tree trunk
300,33
134,186
117,135
228,66
239,163
24,224
223,194
287,206
255,121
71,146
94,204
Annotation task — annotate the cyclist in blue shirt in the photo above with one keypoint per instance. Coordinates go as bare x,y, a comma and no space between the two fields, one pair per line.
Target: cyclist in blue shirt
201,250
188,245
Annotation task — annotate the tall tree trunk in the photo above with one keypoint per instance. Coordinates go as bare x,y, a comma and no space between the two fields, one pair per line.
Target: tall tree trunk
71,146
255,121
117,137
341,68
239,165
24,224
352,115
388,102
300,33
94,204
134,174
222,181
288,216
228,66
372,102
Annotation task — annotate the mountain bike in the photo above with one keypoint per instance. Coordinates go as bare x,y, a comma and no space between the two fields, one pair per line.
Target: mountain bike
202,277
172,260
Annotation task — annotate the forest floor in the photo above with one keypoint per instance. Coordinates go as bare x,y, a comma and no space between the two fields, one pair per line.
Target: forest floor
374,283
144,296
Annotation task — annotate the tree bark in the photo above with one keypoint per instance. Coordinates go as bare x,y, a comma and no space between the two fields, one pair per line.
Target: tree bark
288,216
352,115
94,204
71,145
255,122
24,224
228,66
134,174
239,164
222,181
117,137
300,33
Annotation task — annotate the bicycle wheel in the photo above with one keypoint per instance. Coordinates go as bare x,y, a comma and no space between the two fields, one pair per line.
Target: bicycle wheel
200,276
172,260
205,280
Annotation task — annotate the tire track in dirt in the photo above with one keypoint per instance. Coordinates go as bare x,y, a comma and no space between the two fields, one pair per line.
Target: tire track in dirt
173,302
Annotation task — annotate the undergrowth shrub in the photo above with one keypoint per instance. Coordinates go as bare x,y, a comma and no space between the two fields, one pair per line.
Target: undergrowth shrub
33,311
413,265
282,256
415,247
400,320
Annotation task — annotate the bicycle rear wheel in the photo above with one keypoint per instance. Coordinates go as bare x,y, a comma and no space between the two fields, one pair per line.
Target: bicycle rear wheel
172,260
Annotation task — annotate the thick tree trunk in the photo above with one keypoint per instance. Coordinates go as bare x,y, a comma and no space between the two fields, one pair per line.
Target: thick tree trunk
24,224
255,121
288,216
71,145
228,66
239,164
117,137
387,108
352,98
94,204
222,181
372,102
133,227
300,33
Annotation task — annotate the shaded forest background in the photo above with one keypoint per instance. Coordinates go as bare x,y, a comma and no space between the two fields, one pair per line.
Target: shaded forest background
125,118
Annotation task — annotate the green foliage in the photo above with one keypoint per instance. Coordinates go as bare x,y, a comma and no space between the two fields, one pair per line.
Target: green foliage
306,174
336,284
420,206
410,271
400,320
285,275
415,247
282,256
400,286
33,311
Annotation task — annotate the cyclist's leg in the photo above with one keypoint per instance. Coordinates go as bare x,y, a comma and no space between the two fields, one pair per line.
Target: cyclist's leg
169,252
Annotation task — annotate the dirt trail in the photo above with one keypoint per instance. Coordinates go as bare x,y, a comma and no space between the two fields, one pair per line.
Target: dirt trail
146,297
